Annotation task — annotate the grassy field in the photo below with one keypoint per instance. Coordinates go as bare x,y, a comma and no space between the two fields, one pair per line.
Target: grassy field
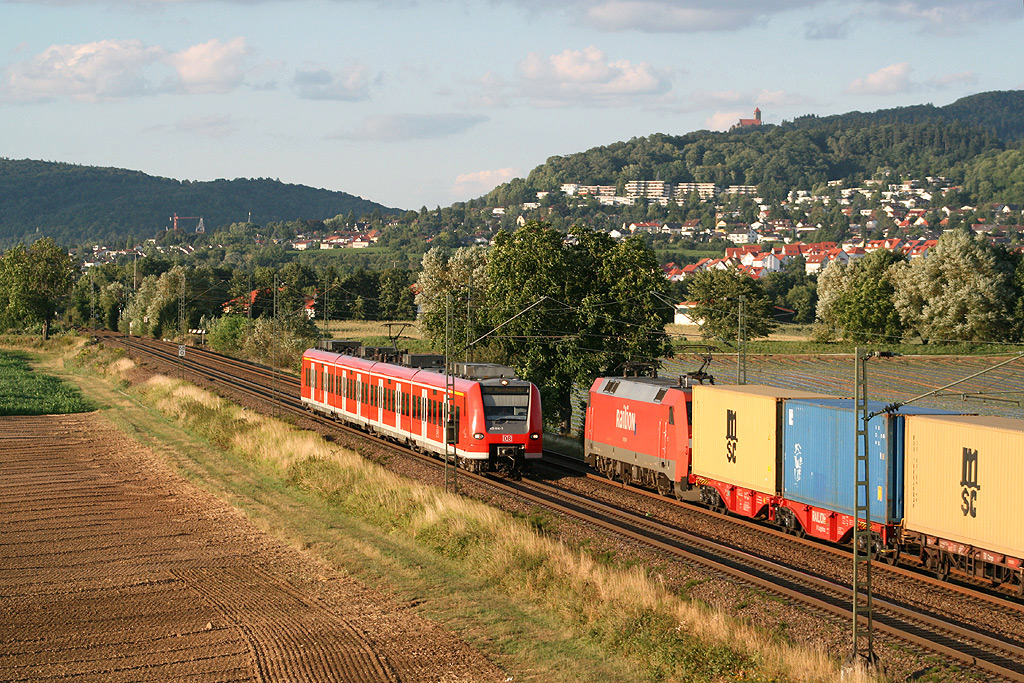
24,392
539,609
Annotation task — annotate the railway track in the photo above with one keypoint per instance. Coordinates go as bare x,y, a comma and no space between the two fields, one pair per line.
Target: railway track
996,655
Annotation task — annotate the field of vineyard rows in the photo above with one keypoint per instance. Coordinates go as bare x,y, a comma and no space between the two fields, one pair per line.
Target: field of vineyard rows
998,392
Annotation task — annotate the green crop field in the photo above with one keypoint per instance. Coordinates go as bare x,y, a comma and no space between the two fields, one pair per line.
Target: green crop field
24,392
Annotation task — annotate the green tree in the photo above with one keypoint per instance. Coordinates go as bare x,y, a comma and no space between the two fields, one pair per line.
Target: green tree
566,309
462,273
226,333
396,297
153,310
962,291
34,283
856,301
717,294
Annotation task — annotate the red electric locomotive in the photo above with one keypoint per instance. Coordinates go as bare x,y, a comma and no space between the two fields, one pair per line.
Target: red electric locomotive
493,423
638,430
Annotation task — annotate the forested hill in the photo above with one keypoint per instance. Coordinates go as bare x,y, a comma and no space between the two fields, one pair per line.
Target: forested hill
964,141
71,203
1001,112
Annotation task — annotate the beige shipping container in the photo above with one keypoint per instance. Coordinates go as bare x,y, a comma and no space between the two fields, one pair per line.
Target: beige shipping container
965,480
737,433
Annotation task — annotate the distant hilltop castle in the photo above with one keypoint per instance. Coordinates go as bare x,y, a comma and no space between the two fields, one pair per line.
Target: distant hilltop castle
744,123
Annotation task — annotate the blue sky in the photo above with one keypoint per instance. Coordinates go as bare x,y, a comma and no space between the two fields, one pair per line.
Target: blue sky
411,104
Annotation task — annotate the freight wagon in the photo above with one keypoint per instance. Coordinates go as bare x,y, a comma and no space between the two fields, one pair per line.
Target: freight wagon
964,495
819,459
493,422
737,446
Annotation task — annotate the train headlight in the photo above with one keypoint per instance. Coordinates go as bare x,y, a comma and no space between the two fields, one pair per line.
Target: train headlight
534,436
478,436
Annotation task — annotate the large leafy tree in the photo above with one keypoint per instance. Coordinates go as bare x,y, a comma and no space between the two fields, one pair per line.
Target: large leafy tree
717,294
463,275
565,309
856,301
962,291
34,283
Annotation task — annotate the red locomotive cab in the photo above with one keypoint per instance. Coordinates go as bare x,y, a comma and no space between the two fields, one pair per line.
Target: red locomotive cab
503,423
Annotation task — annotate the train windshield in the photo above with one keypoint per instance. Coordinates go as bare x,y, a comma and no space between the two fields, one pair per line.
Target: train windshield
505,404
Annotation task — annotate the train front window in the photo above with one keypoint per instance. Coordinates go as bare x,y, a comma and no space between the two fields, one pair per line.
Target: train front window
505,406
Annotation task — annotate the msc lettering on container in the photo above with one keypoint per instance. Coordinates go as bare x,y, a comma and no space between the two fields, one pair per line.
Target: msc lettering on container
969,480
730,435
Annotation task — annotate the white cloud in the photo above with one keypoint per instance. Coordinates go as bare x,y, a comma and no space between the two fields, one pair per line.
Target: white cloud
401,127
117,69
740,103
103,70
947,80
587,76
351,84
212,126
211,67
889,80
948,15
666,16
827,30
481,182
722,120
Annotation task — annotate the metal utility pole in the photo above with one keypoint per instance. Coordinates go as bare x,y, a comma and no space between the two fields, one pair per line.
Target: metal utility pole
469,315
92,300
274,342
863,638
741,342
448,419
181,324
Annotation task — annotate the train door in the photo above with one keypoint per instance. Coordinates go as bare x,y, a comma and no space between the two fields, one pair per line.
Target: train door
343,390
318,382
424,414
358,405
380,400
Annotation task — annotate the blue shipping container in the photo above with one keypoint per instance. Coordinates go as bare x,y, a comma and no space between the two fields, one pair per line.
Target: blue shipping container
819,442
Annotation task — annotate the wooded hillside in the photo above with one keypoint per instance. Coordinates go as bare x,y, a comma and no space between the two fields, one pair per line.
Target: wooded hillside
917,141
71,203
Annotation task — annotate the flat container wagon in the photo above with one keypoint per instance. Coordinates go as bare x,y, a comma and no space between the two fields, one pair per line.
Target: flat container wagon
964,495
819,463
737,445
638,430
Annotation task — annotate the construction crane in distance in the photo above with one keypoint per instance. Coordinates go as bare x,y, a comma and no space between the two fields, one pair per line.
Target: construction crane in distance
199,228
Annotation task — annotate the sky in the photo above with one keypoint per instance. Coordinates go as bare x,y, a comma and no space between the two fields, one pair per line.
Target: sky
412,103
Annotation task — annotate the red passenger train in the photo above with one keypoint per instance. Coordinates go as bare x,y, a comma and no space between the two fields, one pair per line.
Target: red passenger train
494,422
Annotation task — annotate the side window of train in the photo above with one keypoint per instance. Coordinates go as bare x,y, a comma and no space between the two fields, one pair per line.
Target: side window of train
671,415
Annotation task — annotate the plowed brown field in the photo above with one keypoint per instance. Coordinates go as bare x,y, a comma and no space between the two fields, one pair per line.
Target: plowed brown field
113,568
